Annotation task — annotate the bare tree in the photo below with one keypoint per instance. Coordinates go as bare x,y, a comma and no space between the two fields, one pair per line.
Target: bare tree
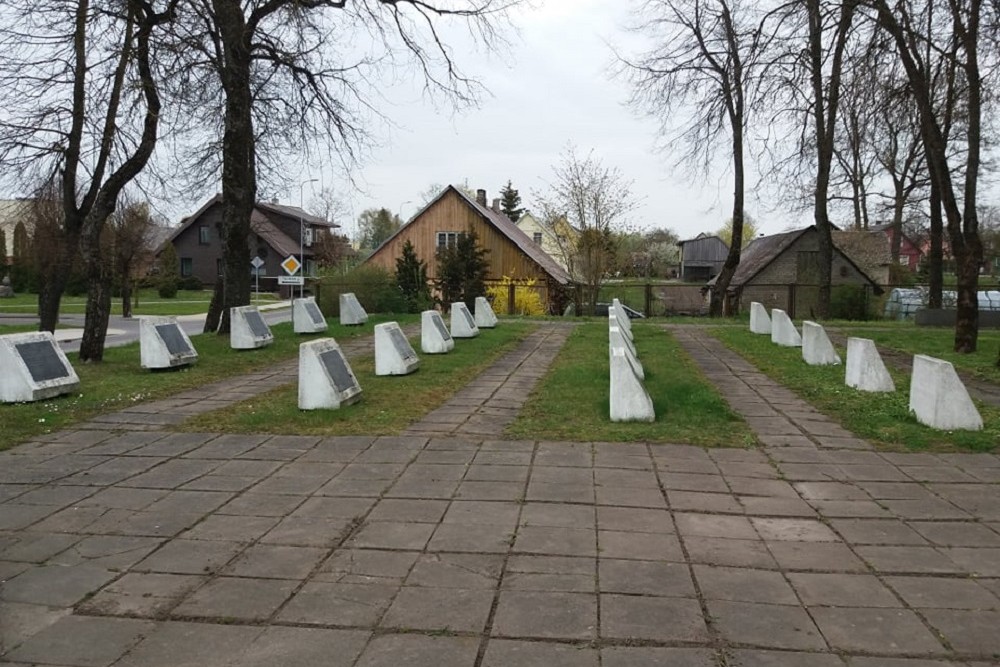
131,231
703,65
599,200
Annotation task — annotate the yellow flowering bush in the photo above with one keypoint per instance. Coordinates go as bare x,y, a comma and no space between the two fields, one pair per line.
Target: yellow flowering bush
527,297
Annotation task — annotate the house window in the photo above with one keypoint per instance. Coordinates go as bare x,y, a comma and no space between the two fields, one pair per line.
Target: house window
204,234
537,238
187,267
447,239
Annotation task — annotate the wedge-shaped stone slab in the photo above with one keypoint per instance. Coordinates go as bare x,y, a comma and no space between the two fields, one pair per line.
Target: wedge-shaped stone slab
629,400
351,311
247,329
783,331
434,335
618,338
623,319
618,342
939,399
33,368
164,344
462,323
485,317
393,353
865,369
307,317
614,322
325,376
817,350
760,321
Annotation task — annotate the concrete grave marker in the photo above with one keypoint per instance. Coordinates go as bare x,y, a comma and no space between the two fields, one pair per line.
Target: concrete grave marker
613,321
393,353
325,377
306,316
624,321
462,323
865,369
34,368
164,344
629,399
434,335
760,321
817,350
618,338
621,342
247,329
351,311
783,331
485,317
939,399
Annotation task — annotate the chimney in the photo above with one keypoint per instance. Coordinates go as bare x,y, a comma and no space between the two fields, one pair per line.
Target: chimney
481,197
496,204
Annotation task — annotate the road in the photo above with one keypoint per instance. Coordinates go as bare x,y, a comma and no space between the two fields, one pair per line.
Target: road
122,331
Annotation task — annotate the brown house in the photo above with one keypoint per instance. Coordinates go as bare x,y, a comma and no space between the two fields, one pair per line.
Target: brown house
782,271
511,251
274,237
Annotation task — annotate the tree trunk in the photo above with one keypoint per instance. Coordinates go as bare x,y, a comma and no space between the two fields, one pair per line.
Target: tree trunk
126,292
214,317
718,304
898,202
54,271
95,328
935,253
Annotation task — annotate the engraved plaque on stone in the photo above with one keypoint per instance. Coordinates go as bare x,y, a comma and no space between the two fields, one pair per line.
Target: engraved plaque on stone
173,339
334,363
442,329
42,360
468,318
402,345
257,324
314,312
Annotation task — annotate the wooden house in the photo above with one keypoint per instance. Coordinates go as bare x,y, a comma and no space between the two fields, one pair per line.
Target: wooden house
511,253
702,257
909,252
275,230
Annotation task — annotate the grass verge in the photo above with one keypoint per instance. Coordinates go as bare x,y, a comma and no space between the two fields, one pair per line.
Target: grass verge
389,403
882,418
571,402
187,302
119,381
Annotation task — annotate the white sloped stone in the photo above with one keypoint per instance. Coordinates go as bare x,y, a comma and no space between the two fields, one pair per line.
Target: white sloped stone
760,321
53,374
629,399
485,317
613,322
351,310
463,325
155,349
783,331
619,342
434,335
247,329
307,317
939,399
326,380
618,338
865,369
623,319
393,353
817,350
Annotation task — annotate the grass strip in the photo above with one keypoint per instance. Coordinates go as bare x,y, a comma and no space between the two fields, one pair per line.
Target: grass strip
187,302
119,381
389,403
571,401
882,418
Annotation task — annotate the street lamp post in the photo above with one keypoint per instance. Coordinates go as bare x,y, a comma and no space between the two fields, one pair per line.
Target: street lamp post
302,245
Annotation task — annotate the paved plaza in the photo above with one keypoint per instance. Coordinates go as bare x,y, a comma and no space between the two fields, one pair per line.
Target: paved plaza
123,543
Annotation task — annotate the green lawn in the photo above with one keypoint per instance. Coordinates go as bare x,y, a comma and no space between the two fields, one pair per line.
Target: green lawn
119,381
571,402
186,302
388,403
882,418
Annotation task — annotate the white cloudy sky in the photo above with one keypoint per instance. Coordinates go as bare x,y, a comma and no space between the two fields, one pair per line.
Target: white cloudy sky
552,87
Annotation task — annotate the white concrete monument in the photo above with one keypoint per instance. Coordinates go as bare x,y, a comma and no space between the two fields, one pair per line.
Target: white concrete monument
164,344
817,350
325,377
462,323
33,368
485,317
613,321
865,369
351,311
760,321
247,329
434,335
618,338
783,331
939,399
393,353
616,342
307,317
629,399
624,321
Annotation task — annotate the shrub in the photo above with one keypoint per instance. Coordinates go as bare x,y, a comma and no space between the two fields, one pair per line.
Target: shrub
849,302
527,298
462,270
374,286
190,283
167,289
411,279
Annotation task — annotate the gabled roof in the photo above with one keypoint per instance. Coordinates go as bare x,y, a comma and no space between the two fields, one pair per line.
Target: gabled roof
867,248
702,237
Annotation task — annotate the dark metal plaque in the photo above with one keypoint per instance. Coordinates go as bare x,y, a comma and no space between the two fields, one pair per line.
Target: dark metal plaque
42,360
402,345
314,312
257,324
335,365
173,338
468,317
442,329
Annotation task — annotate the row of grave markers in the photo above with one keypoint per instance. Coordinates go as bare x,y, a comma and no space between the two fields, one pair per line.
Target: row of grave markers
629,400
937,396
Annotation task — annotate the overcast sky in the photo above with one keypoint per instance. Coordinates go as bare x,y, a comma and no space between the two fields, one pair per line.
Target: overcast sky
552,87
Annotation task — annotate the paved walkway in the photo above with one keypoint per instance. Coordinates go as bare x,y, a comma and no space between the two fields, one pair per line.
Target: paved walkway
149,548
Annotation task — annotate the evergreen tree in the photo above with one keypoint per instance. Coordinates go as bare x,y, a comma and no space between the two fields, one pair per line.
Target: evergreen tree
462,270
169,272
411,278
510,202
